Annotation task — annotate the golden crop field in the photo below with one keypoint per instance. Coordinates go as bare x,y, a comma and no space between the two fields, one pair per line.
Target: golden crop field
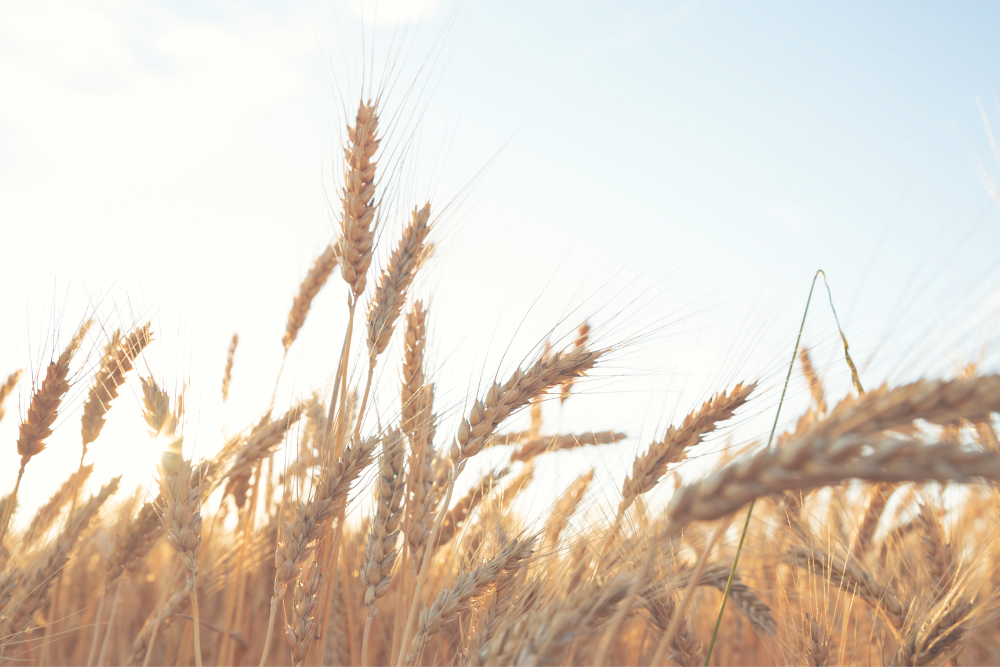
335,531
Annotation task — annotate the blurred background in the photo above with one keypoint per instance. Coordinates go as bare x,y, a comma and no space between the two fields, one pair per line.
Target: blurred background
675,172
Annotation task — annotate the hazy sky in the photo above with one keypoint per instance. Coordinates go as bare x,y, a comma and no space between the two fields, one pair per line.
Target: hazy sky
675,170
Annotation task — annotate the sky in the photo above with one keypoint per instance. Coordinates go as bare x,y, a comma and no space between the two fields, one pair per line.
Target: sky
675,172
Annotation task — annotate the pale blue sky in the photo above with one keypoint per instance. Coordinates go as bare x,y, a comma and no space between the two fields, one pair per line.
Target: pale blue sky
172,161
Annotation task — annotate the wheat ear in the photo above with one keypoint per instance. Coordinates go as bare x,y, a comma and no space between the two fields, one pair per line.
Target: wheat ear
380,548
310,517
358,199
310,287
582,336
469,585
878,498
648,468
544,444
457,515
42,413
227,375
264,437
523,386
815,384
180,512
484,418
302,628
390,295
811,465
753,607
565,507
115,364
879,597
46,515
936,547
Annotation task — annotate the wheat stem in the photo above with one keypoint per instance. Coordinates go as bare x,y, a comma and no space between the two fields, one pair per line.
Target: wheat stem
97,629
197,625
111,621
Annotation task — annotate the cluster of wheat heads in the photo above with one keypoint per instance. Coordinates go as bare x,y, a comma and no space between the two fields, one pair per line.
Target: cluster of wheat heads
899,568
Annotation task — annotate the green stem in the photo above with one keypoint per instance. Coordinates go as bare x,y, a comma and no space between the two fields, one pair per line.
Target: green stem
770,439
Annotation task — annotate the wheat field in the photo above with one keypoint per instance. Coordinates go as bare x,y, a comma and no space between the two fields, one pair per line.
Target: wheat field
872,540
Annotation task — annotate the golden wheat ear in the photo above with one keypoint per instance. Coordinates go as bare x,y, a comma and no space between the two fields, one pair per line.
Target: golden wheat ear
44,407
468,585
358,199
649,468
380,547
42,413
390,294
310,287
117,361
